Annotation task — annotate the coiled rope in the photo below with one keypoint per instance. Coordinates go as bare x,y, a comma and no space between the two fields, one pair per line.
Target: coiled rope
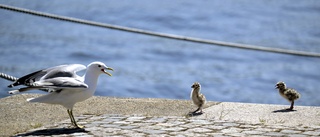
164,35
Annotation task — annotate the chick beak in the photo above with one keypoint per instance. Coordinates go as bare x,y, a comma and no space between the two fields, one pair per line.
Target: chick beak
276,86
104,71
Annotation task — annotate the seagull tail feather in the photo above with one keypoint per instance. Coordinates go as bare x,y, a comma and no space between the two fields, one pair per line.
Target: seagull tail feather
14,92
30,99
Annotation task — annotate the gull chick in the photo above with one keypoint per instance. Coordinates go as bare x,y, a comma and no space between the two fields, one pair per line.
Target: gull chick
67,88
198,99
288,93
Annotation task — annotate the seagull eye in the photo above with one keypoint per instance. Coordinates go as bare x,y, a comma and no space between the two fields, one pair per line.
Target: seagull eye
99,66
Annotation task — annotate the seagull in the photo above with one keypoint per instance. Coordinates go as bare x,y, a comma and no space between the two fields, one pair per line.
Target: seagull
198,99
288,93
65,87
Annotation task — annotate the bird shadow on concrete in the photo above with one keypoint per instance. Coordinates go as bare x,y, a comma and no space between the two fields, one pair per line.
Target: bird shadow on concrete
53,131
192,114
283,110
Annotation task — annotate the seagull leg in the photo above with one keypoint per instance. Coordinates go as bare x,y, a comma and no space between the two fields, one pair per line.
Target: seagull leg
73,121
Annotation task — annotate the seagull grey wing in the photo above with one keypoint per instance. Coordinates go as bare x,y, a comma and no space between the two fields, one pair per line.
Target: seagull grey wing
53,84
30,78
64,71
60,83
57,71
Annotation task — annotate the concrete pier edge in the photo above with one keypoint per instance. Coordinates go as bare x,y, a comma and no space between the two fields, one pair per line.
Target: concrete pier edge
19,116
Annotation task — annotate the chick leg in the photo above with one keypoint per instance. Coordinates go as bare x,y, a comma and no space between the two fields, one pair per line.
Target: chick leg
291,107
196,110
201,110
201,106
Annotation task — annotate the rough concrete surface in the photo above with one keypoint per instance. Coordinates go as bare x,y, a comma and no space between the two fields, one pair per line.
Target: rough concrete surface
18,115
106,116
264,113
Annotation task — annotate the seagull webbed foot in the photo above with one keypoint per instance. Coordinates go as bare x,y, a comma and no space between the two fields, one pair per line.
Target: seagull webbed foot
78,126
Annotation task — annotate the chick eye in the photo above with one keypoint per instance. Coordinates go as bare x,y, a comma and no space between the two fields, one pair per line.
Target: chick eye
99,66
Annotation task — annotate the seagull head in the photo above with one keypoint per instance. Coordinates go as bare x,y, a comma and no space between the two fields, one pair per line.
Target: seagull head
100,67
280,85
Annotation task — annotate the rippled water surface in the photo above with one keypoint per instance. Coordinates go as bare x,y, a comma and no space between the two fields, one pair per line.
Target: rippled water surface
147,66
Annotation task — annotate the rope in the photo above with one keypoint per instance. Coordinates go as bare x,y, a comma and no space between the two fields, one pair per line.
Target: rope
164,35
8,77
12,78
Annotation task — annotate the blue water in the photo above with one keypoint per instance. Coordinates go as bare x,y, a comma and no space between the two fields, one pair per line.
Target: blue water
152,67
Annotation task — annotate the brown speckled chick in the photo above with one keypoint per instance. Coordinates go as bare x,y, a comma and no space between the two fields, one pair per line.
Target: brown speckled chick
288,93
198,99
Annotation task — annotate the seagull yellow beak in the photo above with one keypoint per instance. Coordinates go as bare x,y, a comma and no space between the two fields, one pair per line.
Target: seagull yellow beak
104,71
